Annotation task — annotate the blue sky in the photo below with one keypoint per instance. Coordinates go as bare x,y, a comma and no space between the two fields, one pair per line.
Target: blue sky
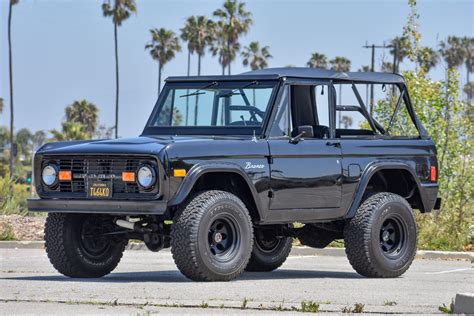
63,49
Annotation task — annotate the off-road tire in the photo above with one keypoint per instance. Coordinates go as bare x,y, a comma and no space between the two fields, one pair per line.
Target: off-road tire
363,236
190,236
266,259
65,249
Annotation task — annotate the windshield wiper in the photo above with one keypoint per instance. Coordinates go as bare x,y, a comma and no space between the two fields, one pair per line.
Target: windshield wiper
197,92
234,92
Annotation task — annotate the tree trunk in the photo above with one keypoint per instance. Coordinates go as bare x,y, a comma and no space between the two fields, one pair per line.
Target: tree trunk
228,57
159,77
116,80
189,62
10,63
199,64
223,69
187,91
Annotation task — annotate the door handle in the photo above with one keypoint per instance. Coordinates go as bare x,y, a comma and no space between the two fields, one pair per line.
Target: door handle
334,144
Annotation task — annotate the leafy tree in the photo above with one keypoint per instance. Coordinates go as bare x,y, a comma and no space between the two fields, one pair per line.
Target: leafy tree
439,108
119,10
452,51
255,56
23,140
85,113
318,60
38,139
364,68
427,58
235,21
80,122
163,47
341,64
10,65
199,33
1,105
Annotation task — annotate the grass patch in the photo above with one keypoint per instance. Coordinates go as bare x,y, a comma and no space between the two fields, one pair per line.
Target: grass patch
447,309
244,303
6,232
309,307
356,309
389,303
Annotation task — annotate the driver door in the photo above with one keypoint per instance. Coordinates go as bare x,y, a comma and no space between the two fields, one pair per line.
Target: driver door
306,174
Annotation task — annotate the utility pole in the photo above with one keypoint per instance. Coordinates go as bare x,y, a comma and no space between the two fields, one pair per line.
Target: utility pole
372,68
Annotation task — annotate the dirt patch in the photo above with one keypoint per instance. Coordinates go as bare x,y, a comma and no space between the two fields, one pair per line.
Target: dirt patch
24,227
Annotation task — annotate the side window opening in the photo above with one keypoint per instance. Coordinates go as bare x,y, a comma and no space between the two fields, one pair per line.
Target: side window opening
303,106
389,116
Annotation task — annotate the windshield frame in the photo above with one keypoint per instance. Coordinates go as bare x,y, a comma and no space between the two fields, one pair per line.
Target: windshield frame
151,130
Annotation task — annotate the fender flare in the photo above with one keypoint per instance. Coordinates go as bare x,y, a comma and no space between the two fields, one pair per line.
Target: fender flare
370,171
200,169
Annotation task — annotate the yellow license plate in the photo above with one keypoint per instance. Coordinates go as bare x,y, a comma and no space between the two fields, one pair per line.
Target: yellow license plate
100,190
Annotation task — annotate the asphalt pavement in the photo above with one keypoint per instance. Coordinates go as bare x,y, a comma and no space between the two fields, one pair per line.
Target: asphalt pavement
147,282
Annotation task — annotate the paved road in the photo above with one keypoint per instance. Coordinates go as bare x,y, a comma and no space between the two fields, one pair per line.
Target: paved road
149,282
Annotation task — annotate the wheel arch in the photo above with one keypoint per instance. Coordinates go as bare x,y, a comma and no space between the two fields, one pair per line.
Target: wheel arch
220,176
400,174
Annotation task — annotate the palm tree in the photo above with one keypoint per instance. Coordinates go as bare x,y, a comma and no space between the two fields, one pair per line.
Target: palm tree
387,67
220,46
452,51
199,33
469,90
340,64
85,113
428,58
236,21
468,44
187,36
346,121
255,56
1,105
399,49
10,64
120,10
70,131
163,47
318,60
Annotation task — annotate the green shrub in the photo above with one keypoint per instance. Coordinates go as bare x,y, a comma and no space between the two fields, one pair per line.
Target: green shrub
13,203
6,232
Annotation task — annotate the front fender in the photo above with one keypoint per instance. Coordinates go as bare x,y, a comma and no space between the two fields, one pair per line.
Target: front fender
210,167
428,192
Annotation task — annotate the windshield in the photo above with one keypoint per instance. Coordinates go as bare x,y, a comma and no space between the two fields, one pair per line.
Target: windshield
242,104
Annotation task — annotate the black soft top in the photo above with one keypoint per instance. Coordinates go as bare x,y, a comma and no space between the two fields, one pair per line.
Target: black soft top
300,72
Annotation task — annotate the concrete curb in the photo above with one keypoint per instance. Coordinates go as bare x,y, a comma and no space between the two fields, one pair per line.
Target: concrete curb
296,251
464,304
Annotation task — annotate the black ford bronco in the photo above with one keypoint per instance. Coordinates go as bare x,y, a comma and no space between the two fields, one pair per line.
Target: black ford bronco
230,169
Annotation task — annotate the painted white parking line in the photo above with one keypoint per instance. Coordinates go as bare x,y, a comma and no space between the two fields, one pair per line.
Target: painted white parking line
449,271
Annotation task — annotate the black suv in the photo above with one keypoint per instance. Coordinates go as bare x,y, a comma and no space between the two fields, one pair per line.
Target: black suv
229,169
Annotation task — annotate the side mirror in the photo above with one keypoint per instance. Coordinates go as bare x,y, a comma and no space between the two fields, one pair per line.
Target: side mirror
302,131
307,130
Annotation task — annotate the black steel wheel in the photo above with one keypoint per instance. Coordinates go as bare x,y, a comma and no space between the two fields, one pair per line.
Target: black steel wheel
269,250
211,237
78,245
381,239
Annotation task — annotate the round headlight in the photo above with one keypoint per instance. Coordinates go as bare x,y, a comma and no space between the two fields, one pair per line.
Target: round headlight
49,175
146,176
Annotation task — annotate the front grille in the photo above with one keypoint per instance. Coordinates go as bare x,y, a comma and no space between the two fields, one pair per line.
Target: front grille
85,169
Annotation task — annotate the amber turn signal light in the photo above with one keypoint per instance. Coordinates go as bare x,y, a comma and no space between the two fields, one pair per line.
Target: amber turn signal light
179,173
433,174
128,176
65,175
